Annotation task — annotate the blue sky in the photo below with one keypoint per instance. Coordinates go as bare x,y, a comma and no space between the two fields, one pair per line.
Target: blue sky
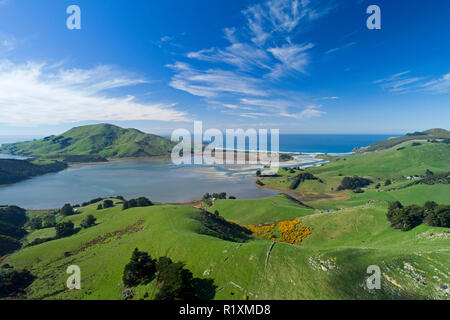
306,66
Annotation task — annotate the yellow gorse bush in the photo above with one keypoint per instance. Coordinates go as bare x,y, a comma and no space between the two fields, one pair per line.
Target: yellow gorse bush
290,231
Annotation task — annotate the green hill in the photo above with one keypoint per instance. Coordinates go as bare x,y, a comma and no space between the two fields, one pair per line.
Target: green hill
397,164
432,134
331,263
87,143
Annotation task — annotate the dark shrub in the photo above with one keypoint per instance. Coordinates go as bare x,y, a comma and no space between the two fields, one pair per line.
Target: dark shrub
13,282
406,218
11,230
176,283
48,221
108,204
141,268
67,210
87,222
354,183
64,229
8,244
36,223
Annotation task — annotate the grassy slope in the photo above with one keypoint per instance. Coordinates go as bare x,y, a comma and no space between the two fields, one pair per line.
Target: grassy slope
268,210
396,141
102,140
356,237
378,166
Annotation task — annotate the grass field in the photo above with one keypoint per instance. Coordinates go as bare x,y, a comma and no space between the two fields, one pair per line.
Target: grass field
348,239
378,166
268,210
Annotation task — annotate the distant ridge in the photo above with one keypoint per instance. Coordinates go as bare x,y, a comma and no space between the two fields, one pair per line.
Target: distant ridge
436,134
92,142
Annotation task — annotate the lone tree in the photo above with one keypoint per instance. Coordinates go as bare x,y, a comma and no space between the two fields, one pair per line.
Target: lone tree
108,204
67,210
89,221
141,268
64,229
176,283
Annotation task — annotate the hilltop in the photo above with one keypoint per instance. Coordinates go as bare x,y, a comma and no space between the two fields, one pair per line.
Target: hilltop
93,143
437,135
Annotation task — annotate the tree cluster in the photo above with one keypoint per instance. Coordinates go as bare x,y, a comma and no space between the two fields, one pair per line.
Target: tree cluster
12,220
406,218
13,282
139,202
302,177
173,280
355,182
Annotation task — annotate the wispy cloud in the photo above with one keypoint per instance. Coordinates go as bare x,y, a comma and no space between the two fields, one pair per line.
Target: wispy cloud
213,82
291,57
440,85
251,53
347,45
309,112
286,108
241,55
36,93
403,83
7,43
399,82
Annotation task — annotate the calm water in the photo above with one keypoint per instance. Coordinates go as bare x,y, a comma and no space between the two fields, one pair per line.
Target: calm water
157,181
162,181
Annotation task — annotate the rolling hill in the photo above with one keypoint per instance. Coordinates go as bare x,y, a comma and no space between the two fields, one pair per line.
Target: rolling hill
87,143
331,263
405,160
432,134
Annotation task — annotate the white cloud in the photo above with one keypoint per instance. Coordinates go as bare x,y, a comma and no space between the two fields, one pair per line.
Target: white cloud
165,38
7,43
251,52
441,85
280,107
282,17
35,94
347,45
399,82
213,82
241,55
292,57
402,83
307,113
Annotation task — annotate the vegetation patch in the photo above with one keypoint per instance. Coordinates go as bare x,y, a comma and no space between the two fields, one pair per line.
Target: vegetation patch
302,177
352,183
13,170
406,218
287,231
